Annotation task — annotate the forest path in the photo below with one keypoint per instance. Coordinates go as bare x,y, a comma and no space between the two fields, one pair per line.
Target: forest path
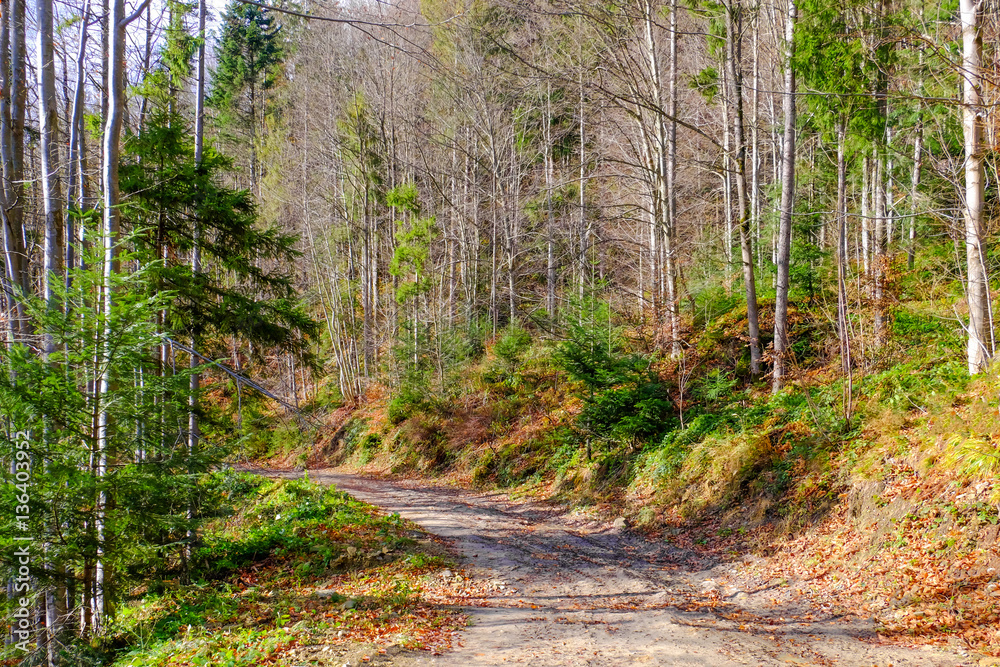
566,590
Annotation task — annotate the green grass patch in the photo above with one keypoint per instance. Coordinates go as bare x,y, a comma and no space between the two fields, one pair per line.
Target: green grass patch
285,563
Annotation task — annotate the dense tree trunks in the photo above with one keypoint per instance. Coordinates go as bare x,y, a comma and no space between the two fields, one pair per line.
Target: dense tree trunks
781,359
980,346
735,100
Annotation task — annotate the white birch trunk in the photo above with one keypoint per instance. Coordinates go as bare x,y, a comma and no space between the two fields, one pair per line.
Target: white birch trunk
977,290
115,67
911,246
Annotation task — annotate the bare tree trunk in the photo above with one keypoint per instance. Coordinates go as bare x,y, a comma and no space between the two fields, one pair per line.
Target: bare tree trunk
49,129
367,282
878,246
843,325
494,227
115,67
512,228
15,279
670,249
890,203
727,173
787,205
194,383
584,236
105,45
12,105
146,61
866,215
979,348
911,246
52,260
755,141
550,240
733,31
74,182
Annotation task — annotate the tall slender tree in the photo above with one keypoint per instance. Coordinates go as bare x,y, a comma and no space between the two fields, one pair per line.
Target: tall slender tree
784,241
12,115
734,36
248,52
52,203
980,343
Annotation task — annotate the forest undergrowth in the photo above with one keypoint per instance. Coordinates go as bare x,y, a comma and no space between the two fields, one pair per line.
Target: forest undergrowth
881,496
287,571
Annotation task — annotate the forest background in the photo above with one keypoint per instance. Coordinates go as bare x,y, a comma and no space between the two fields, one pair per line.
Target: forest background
714,254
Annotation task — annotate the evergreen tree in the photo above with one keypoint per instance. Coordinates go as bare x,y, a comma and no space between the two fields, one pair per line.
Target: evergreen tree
249,54
143,489
169,196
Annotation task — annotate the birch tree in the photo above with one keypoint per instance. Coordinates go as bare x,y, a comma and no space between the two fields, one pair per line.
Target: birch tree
115,67
980,344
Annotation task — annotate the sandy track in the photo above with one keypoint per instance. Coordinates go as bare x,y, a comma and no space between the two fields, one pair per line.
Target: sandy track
572,591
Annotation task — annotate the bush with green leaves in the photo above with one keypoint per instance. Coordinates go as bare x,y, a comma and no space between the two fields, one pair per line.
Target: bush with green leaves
284,518
511,345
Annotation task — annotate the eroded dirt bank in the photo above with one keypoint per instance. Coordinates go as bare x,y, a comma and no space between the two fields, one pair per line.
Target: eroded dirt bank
546,588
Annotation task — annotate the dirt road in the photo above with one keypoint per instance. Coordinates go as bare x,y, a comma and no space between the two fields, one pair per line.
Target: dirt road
567,590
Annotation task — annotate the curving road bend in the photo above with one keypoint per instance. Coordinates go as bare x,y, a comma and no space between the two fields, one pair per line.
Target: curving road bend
564,590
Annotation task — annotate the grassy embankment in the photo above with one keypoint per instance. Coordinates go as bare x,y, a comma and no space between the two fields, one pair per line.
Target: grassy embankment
889,507
287,572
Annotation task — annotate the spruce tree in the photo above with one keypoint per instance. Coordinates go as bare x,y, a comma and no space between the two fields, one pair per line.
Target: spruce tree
249,54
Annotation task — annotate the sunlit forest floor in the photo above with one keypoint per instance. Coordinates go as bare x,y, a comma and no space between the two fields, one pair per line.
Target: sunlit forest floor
290,572
892,512
884,513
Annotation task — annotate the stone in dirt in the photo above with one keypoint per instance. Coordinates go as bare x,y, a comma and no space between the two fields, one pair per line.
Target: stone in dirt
328,593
